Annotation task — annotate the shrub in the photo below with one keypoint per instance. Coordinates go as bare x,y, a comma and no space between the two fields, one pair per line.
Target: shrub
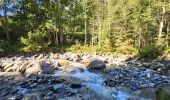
126,50
151,51
36,40
3,45
162,94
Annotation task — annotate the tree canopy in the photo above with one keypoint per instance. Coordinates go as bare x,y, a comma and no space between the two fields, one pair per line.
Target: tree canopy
123,26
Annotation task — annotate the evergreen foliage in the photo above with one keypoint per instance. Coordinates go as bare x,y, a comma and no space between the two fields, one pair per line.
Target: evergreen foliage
121,26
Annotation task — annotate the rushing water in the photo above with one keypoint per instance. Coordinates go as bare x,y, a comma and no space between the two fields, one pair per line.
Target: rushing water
94,82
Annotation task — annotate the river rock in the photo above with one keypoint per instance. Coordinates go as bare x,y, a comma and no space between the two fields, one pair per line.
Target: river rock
40,56
63,63
135,78
10,69
96,64
40,67
75,85
166,57
23,67
1,69
8,66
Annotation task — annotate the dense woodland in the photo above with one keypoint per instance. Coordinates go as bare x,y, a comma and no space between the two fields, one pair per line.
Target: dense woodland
121,26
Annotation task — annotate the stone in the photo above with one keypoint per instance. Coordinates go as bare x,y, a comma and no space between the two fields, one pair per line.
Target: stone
75,85
56,80
57,86
40,56
146,65
64,63
10,69
8,66
96,64
76,70
151,84
23,67
5,92
40,67
1,69
16,97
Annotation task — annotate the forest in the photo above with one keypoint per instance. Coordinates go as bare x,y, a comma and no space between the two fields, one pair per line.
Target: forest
138,27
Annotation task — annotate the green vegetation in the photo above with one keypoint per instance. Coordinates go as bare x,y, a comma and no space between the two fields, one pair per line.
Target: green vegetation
162,94
137,27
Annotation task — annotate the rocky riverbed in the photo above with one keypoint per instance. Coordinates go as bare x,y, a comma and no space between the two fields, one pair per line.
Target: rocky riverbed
80,76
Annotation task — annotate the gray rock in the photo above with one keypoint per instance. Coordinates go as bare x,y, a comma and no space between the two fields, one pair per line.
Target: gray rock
75,85
96,64
40,67
8,66
5,92
1,69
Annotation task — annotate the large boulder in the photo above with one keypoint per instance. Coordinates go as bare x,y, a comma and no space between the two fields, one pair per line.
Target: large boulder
40,67
96,64
63,63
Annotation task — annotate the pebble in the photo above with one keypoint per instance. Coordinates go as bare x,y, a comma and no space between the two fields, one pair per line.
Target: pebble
135,78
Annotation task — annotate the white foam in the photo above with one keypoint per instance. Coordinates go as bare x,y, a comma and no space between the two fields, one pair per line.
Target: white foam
94,82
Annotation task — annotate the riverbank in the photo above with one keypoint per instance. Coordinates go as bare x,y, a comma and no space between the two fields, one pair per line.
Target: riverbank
80,76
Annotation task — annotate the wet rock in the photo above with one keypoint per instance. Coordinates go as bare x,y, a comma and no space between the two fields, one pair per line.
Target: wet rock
56,80
14,91
135,78
16,97
4,92
76,70
57,87
75,85
146,65
51,97
96,64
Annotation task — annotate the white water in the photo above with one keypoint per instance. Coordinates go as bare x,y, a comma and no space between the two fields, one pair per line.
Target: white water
94,82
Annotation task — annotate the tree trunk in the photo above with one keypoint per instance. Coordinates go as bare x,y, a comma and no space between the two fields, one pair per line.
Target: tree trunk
56,37
99,29
161,25
85,24
93,31
167,36
140,35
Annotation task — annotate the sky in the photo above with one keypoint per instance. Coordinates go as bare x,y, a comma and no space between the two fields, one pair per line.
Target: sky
1,10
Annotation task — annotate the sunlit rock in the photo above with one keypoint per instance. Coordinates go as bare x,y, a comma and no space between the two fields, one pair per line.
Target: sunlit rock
96,64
